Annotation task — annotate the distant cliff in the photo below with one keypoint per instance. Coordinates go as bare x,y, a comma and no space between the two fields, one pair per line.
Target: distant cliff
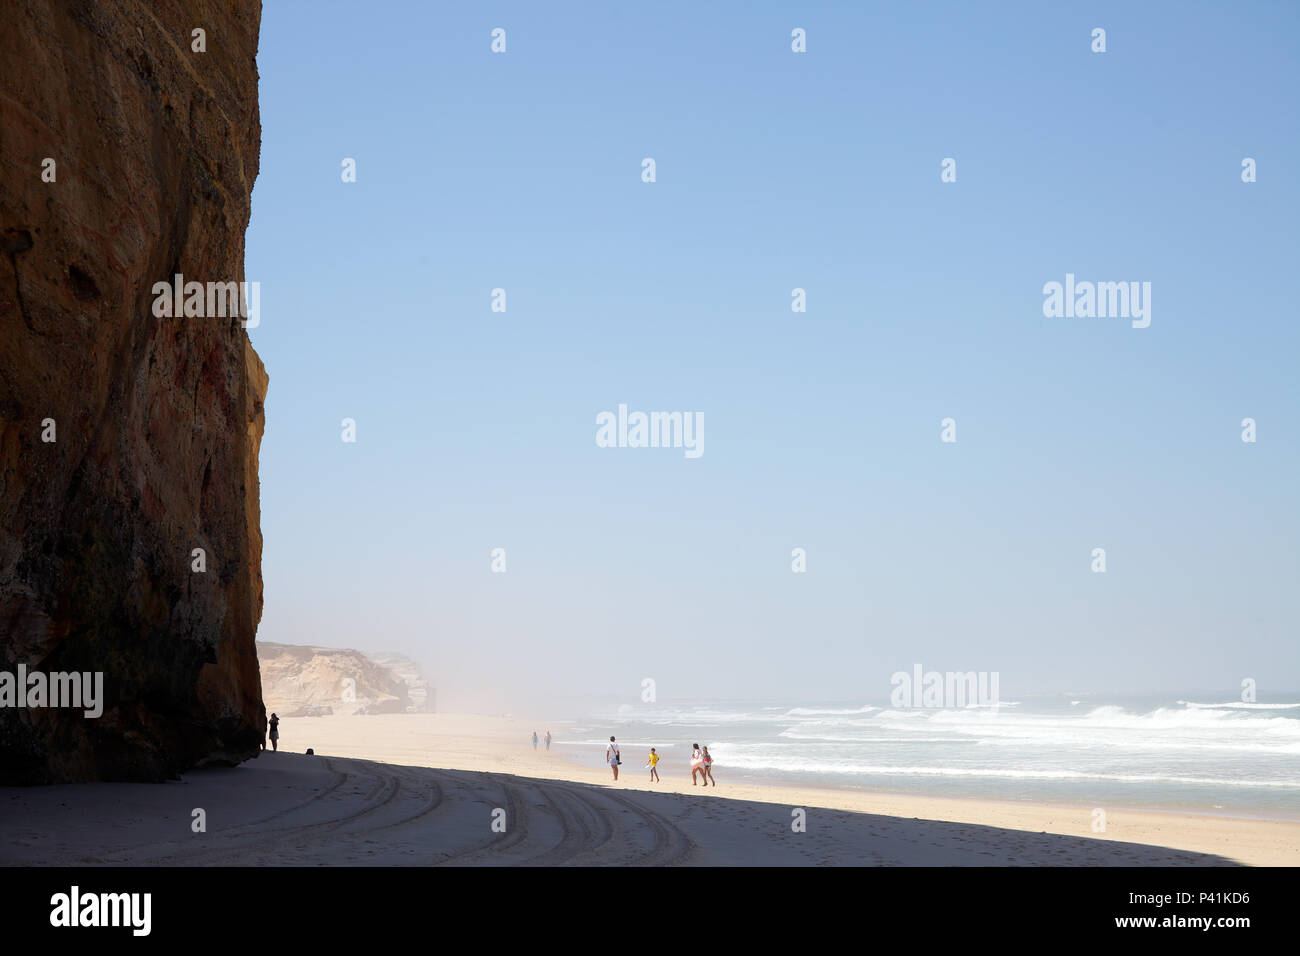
300,681
128,440
417,688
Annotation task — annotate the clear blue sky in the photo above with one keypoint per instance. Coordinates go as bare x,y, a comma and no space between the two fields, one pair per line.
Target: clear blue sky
778,170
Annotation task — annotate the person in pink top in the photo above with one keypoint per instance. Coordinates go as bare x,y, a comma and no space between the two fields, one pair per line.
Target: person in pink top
697,764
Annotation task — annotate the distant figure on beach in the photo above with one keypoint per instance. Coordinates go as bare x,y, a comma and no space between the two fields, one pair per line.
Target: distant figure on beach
548,740
275,732
534,740
611,754
653,764
707,769
697,763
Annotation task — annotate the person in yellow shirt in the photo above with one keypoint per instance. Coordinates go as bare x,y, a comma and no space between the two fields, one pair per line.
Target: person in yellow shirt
653,762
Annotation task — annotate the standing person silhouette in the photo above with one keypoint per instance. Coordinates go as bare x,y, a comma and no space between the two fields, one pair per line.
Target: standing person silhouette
706,771
611,755
534,740
548,740
275,732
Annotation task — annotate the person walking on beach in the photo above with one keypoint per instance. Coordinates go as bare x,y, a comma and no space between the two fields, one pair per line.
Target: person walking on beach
548,740
534,740
611,754
706,770
653,764
697,763
275,732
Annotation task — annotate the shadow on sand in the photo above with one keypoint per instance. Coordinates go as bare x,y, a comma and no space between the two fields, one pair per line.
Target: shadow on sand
291,809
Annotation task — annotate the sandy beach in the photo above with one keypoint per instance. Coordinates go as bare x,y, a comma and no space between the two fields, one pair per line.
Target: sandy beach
427,789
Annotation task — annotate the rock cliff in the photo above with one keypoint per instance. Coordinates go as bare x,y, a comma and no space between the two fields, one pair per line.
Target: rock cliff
302,681
128,440
421,695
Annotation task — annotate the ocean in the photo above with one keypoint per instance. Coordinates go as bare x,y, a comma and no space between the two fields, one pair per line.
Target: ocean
1198,754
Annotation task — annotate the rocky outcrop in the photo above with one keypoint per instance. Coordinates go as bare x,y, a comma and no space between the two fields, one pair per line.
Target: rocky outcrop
408,671
128,440
302,681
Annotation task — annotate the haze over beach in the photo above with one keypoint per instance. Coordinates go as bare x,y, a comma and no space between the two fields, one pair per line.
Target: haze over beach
1019,783
371,797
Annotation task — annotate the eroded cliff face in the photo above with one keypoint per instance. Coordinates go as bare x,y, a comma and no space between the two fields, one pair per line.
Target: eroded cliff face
156,421
299,681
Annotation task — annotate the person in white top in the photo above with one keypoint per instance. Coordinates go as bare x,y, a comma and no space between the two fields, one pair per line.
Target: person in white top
611,756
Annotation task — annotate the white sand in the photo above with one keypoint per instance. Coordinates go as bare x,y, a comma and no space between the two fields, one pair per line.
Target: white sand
395,808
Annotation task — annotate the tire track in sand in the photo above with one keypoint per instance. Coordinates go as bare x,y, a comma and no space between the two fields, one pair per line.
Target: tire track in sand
549,823
511,798
235,845
592,830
